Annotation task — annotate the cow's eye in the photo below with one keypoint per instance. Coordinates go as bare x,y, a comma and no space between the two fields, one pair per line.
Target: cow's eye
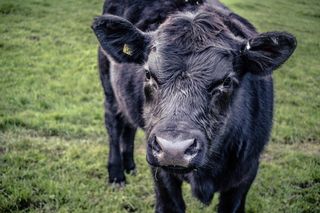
223,86
214,87
227,83
148,74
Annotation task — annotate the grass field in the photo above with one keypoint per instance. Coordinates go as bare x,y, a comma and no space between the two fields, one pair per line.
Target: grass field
53,144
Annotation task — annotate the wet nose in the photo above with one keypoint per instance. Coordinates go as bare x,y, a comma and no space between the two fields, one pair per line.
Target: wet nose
174,152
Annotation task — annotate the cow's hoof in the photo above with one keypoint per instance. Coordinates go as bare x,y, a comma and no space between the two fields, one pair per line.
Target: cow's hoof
117,184
130,167
132,171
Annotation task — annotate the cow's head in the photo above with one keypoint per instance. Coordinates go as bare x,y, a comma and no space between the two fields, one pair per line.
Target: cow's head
193,65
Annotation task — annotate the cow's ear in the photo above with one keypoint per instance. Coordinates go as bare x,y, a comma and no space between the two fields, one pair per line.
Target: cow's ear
121,39
267,51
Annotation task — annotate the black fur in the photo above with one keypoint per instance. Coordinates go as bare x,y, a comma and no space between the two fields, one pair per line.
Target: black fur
195,70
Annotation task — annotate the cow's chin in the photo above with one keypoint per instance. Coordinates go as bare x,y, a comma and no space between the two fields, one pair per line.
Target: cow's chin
177,169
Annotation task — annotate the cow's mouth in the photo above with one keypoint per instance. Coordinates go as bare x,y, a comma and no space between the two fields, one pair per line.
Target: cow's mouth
177,169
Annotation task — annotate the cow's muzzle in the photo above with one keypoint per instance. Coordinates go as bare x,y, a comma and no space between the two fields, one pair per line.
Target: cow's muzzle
174,154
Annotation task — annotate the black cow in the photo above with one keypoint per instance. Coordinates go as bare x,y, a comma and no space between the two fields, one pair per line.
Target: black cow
197,78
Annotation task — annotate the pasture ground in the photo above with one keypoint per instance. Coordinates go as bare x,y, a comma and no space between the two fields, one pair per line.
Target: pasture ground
53,144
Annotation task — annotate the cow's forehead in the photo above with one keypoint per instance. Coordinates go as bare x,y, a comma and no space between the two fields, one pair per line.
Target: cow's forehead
193,32
206,66
198,44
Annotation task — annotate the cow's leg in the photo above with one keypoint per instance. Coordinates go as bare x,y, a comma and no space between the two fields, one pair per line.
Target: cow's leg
127,147
115,166
234,199
168,192
113,123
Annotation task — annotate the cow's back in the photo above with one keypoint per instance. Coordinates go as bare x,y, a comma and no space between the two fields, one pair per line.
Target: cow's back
147,15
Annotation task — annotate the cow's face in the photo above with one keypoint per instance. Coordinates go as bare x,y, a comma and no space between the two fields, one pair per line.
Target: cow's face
193,68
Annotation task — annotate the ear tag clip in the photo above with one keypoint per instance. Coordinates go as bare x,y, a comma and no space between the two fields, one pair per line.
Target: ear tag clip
127,50
248,46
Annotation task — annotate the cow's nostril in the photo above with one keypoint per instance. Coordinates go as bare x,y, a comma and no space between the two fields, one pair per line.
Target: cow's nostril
155,145
192,149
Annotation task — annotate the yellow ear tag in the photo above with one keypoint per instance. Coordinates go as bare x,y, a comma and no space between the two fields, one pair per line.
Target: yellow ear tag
127,50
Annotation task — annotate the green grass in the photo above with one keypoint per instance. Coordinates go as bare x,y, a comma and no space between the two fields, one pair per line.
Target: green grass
53,174
52,139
